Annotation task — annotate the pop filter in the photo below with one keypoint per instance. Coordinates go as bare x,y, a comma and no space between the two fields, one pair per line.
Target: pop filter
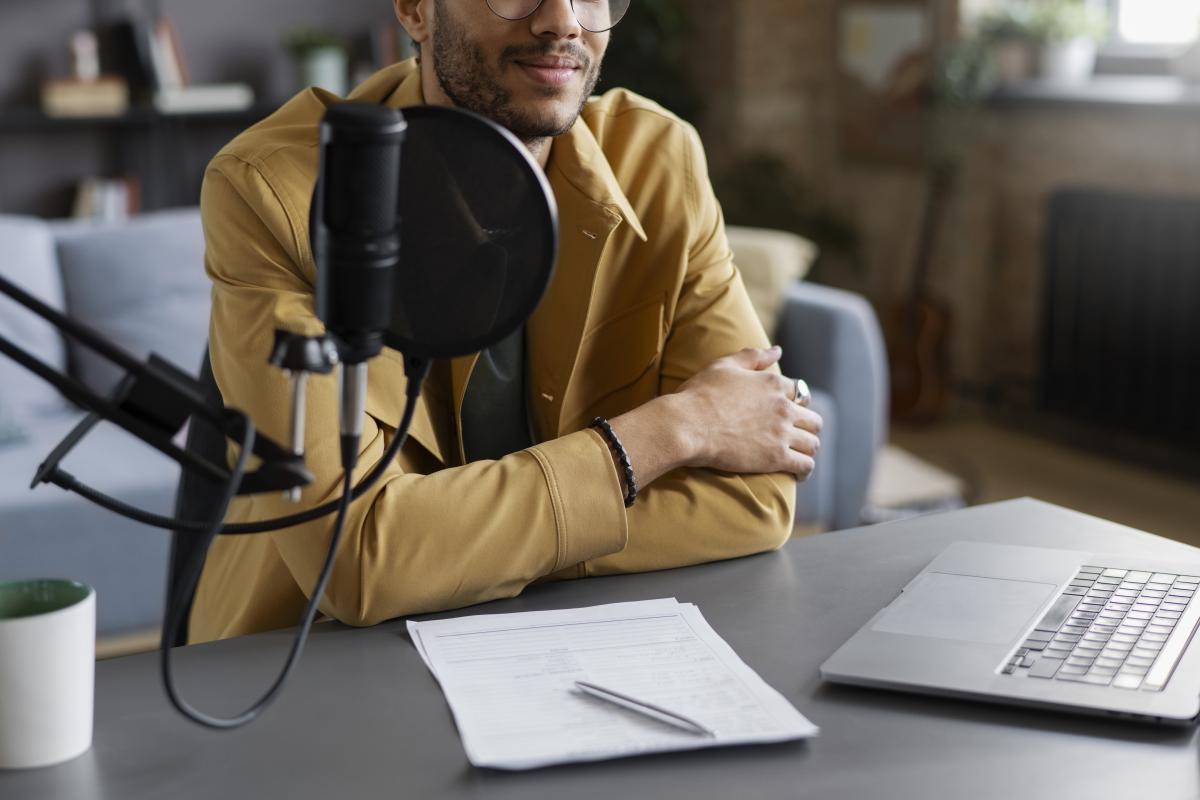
478,235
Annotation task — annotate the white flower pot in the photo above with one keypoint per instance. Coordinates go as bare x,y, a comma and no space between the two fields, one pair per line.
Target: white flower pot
327,68
1073,61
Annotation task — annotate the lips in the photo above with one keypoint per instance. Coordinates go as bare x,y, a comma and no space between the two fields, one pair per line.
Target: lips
549,71
550,63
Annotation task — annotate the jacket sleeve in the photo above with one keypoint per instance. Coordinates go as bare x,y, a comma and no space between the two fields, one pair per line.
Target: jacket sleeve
691,516
416,542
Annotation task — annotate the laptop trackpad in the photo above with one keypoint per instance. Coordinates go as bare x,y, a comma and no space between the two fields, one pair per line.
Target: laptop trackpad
965,608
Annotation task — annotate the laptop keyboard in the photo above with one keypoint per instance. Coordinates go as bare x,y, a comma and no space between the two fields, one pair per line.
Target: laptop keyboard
1112,627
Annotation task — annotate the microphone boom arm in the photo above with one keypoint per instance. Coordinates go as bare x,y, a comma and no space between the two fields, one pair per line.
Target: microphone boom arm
153,402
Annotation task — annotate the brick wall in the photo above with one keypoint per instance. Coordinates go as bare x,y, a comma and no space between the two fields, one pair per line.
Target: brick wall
771,66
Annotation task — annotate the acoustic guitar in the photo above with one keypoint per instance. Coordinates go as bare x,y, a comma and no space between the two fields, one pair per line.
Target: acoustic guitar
918,330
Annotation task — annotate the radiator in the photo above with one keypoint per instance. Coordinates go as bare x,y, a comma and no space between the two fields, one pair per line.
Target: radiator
1121,316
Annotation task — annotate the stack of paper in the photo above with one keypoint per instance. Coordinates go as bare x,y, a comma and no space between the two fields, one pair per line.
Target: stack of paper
510,682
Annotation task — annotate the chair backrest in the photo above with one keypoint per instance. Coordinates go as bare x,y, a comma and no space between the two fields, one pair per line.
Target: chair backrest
197,496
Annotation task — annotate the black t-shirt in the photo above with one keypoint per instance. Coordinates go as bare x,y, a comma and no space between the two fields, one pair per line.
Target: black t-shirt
495,415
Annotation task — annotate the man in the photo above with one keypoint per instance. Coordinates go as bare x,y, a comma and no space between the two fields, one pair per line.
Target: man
646,323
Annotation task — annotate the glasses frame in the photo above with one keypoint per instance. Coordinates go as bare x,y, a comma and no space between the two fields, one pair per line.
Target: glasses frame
539,5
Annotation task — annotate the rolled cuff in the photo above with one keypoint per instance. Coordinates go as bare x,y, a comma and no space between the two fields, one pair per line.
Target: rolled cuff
585,490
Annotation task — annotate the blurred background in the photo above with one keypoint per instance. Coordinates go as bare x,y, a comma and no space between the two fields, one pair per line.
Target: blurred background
997,202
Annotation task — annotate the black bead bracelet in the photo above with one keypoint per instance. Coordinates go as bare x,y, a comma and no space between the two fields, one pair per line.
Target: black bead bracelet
622,456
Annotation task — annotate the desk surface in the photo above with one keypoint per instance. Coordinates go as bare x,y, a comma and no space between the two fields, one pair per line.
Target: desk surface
363,718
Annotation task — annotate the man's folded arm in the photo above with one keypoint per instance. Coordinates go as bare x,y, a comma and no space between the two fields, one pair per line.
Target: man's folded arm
459,536
415,542
690,516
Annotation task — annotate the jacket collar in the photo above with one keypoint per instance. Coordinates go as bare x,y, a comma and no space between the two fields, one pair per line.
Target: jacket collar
580,159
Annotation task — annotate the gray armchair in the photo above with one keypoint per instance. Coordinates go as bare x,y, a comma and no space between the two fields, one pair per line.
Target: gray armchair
831,338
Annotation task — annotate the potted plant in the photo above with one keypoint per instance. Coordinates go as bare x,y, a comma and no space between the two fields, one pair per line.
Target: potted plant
1009,35
320,59
1069,31
760,190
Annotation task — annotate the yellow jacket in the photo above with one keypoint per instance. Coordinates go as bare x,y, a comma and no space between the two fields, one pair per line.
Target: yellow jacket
645,295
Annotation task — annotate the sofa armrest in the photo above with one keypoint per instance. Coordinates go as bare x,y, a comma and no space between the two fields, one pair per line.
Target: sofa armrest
832,339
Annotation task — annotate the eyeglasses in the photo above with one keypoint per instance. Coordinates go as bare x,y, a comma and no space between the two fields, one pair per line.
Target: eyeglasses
595,16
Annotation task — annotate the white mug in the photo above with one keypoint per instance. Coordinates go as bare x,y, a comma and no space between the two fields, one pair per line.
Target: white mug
47,671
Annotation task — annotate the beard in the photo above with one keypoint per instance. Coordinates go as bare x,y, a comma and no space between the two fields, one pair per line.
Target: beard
473,84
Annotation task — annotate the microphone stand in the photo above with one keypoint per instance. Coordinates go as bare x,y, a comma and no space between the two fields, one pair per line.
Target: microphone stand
153,402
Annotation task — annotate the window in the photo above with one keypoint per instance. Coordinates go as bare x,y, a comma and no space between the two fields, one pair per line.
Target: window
1155,22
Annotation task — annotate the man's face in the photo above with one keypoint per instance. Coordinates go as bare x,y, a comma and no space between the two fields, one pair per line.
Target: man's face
532,75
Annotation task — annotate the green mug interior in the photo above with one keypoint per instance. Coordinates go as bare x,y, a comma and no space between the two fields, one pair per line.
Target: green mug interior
30,598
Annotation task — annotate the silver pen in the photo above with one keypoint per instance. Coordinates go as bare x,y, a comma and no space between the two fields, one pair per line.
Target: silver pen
645,708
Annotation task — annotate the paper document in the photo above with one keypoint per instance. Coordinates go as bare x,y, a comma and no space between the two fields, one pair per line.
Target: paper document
510,682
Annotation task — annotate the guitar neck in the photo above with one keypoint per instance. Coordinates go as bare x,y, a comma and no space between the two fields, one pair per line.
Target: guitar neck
937,193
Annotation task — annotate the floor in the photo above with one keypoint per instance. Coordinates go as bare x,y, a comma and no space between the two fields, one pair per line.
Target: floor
998,464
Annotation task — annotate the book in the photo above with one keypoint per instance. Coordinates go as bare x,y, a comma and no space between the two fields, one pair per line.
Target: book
167,53
201,99
175,94
126,49
107,96
107,199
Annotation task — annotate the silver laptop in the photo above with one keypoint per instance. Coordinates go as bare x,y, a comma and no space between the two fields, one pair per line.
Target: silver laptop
1023,625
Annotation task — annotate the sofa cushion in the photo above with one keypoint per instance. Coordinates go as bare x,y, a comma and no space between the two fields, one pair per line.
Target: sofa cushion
12,428
141,284
769,261
27,258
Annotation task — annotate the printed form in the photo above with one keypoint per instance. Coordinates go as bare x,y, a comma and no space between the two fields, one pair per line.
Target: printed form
510,682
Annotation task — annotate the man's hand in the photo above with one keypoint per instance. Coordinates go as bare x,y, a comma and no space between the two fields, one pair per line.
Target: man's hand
734,416
745,419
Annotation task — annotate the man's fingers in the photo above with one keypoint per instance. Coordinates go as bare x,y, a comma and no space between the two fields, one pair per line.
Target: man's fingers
756,358
804,442
807,419
800,465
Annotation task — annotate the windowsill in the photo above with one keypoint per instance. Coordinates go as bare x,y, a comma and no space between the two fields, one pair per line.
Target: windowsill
1102,91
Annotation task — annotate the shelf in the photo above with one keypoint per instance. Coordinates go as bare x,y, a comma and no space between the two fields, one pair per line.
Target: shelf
1138,92
29,119
167,153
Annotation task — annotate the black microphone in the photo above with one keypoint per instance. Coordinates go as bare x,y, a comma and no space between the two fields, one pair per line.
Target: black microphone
355,237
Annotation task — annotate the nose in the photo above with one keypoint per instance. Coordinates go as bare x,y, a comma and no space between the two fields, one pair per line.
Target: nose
555,19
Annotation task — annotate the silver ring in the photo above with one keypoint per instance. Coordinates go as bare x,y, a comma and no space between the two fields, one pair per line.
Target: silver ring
801,394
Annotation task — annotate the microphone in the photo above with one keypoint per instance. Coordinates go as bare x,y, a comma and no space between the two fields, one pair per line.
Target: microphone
355,236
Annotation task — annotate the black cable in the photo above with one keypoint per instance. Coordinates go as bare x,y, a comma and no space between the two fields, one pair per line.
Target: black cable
179,599
182,592
68,482
180,595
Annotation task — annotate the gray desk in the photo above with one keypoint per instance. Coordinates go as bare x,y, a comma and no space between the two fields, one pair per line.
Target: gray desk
363,718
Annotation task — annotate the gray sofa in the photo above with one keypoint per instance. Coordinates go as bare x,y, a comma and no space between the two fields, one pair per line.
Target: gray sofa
142,284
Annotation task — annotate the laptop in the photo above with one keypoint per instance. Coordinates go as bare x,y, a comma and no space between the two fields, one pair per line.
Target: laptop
1086,632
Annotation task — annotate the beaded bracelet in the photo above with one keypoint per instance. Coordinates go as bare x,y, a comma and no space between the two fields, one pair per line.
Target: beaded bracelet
622,456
